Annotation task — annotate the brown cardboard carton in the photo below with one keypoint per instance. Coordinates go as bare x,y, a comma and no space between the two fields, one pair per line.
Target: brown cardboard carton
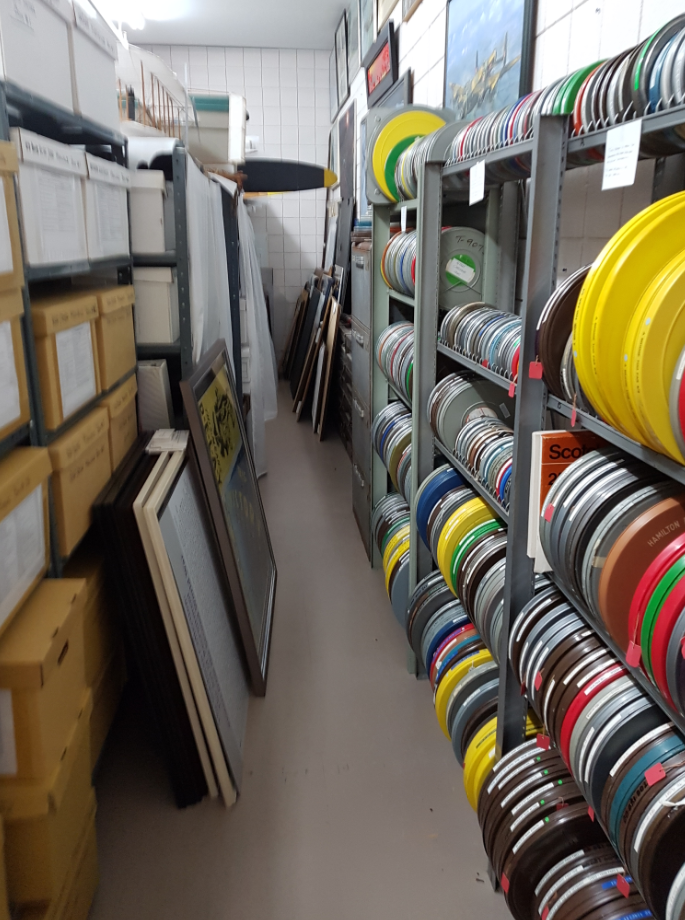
114,329
44,820
42,680
123,419
9,165
14,395
24,526
106,696
81,466
68,369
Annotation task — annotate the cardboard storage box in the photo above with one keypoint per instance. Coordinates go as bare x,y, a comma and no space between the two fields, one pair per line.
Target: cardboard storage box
11,261
42,680
24,526
44,820
34,48
68,369
4,899
106,208
152,212
115,336
14,395
76,897
93,49
101,635
156,306
154,395
106,695
51,199
81,466
123,419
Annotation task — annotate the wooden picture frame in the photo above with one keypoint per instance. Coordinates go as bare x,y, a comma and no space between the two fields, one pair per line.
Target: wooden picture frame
333,84
409,7
383,10
353,40
165,610
490,65
227,470
152,511
331,342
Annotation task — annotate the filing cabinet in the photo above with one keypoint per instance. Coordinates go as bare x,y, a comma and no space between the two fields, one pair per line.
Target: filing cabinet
362,356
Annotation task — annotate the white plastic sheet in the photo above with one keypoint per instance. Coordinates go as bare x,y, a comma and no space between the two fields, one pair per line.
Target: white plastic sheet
210,309
263,372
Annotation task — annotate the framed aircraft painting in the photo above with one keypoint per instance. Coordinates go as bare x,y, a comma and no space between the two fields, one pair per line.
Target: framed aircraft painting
488,55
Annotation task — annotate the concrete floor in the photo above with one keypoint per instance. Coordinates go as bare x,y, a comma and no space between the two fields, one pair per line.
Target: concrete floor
352,805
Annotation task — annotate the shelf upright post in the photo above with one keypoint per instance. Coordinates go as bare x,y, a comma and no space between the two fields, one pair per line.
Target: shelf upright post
380,320
182,265
508,247
547,174
428,224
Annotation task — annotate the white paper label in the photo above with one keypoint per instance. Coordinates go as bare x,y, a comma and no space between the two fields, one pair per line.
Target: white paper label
6,263
620,156
477,182
22,550
76,367
112,215
9,385
8,747
403,220
461,270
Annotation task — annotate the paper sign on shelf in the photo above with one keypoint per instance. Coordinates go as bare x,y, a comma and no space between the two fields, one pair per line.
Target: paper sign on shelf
403,220
477,182
621,153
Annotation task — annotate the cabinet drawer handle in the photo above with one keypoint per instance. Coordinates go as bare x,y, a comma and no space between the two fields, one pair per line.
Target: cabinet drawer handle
360,411
359,339
360,478
360,261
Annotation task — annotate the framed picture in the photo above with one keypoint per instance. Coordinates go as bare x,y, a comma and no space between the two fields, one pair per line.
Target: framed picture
333,84
353,59
384,9
334,153
367,26
381,65
341,59
218,434
347,150
488,55
409,7
363,206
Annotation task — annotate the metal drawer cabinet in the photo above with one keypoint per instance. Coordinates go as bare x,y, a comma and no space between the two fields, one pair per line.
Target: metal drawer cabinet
361,435
361,504
361,362
361,284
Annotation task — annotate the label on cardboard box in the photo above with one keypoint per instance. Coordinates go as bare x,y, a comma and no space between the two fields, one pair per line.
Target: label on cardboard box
117,401
100,170
67,448
22,550
87,20
50,316
111,213
61,7
76,367
8,744
41,151
10,408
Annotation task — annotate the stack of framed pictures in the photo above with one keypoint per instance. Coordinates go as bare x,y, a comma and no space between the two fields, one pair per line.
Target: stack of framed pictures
195,575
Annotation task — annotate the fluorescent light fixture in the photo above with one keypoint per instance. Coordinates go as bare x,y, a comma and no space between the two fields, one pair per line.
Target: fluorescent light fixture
135,13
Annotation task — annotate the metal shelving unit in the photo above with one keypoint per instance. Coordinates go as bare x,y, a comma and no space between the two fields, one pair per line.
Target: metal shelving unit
468,364
475,484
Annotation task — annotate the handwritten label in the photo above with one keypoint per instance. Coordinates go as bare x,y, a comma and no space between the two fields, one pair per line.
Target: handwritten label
621,153
477,182
655,774
403,220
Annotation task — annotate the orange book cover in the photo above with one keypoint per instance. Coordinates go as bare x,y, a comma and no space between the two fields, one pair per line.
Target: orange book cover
559,450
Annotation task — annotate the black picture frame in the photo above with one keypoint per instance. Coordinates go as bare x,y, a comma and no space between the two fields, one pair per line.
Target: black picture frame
367,27
353,40
230,482
333,85
401,93
342,76
467,105
385,44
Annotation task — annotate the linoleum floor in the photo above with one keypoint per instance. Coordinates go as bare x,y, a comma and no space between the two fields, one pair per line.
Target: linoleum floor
352,805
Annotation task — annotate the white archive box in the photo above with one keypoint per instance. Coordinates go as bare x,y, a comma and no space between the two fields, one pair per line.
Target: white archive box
93,48
155,409
106,208
34,46
245,367
156,309
152,212
51,177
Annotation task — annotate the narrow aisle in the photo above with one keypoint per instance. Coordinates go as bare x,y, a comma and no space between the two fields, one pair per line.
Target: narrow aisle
352,804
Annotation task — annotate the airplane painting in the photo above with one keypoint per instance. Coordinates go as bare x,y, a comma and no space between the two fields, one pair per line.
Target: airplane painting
483,61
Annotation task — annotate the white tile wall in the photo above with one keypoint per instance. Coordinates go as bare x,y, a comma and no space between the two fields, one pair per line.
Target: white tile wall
287,99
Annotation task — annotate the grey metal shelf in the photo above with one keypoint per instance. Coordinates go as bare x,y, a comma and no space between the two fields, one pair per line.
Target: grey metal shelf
67,269
402,298
51,436
522,150
658,121
664,464
470,365
399,394
475,483
155,260
410,205
637,674
161,350
16,437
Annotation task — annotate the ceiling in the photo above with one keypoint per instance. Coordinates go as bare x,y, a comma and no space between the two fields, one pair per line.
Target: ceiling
247,24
